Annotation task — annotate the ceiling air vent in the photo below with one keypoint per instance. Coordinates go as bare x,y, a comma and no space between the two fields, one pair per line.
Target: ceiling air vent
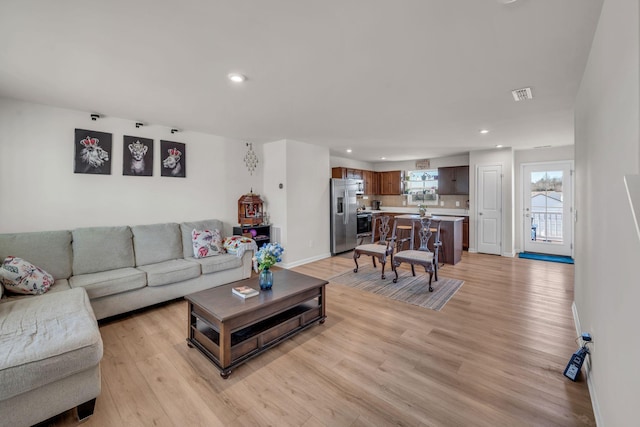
522,94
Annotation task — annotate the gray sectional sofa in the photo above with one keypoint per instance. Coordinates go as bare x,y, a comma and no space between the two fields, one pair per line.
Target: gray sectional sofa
99,272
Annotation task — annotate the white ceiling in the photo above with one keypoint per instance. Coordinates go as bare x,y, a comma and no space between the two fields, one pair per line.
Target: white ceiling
403,79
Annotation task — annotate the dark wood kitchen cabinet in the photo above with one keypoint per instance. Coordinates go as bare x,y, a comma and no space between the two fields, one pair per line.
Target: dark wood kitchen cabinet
391,183
453,180
465,233
346,173
370,182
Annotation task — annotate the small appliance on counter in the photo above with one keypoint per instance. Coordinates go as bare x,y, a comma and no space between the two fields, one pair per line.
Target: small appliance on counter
375,205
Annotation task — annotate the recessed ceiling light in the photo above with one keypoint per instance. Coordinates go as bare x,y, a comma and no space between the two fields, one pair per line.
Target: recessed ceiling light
349,150
237,78
484,131
383,158
499,146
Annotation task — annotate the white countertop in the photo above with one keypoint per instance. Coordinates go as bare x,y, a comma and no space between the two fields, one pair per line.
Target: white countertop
414,210
434,217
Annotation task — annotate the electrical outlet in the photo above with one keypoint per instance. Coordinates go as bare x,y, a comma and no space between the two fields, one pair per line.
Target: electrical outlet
365,197
457,204
441,203
404,203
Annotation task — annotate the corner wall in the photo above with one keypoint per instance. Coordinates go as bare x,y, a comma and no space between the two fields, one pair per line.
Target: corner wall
41,192
607,294
301,207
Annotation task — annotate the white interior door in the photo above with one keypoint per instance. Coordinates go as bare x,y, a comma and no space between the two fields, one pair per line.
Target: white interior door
547,208
489,210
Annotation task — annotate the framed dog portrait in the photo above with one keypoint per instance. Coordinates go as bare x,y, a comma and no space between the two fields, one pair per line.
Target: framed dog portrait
137,156
173,159
92,152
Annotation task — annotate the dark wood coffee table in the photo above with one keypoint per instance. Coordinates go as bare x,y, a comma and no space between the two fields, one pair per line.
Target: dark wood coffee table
230,330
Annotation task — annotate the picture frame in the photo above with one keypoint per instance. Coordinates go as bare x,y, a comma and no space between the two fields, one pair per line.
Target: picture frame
174,155
137,156
92,152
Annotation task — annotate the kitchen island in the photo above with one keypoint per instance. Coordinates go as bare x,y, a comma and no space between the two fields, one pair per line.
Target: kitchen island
450,234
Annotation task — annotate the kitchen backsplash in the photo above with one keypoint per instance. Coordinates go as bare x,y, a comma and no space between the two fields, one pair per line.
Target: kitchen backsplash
397,201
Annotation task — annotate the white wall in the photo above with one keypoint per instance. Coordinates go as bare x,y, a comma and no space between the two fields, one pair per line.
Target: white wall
504,158
301,207
566,152
607,291
343,162
435,163
41,192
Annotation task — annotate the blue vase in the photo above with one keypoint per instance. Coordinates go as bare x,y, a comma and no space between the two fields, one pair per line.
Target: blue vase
265,279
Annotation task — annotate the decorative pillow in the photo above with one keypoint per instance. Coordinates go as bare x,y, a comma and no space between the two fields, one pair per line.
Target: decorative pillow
206,243
231,244
22,277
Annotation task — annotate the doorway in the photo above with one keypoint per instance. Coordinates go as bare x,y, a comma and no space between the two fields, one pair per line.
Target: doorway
547,190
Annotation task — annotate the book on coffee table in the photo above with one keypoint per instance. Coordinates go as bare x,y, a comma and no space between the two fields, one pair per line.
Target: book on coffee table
245,291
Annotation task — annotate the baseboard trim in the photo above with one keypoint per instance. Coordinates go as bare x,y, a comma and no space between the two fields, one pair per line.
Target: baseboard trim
305,261
587,370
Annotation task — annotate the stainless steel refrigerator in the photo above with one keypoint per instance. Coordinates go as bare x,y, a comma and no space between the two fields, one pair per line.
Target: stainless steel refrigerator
344,214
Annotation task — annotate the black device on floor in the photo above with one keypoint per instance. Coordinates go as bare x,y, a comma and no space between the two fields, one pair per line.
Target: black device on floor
572,371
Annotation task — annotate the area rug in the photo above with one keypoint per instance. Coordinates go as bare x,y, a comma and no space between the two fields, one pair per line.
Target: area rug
545,257
412,290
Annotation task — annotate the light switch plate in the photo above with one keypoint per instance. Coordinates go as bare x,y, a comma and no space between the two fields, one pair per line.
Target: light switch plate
457,204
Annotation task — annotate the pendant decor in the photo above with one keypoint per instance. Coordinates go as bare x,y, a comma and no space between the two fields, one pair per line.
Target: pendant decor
251,159
265,279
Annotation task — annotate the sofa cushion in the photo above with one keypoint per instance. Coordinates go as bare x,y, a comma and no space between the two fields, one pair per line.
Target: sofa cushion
110,282
49,250
22,277
206,243
98,249
167,272
156,243
187,227
44,339
217,263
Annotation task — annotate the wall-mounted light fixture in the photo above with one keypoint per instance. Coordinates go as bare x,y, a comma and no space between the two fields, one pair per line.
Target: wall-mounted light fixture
251,159
95,116
138,124
174,130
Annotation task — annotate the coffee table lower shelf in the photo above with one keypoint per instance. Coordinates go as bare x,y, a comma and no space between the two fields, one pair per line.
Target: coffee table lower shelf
250,339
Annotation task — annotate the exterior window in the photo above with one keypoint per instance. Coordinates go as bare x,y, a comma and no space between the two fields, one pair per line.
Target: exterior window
421,187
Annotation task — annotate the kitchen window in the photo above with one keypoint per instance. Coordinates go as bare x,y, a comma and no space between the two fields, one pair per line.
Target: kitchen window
421,187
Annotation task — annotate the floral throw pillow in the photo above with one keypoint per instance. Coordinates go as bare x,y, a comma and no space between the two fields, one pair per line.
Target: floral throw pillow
22,277
206,243
231,244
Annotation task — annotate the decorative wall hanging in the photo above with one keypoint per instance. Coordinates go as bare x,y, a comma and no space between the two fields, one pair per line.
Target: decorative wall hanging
173,159
137,156
251,159
92,152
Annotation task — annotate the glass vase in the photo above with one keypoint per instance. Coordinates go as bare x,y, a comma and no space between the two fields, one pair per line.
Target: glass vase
265,279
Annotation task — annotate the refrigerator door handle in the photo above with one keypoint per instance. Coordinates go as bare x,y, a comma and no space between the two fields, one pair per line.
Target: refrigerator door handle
346,199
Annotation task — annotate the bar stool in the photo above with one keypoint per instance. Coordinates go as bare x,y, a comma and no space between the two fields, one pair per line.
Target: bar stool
437,246
403,234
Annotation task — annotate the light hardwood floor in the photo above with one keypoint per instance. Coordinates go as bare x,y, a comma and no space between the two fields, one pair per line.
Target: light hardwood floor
493,356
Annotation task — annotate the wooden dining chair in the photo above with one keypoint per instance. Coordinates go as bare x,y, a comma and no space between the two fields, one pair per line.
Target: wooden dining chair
421,256
380,248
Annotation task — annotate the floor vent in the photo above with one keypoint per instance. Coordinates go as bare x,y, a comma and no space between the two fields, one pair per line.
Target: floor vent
522,94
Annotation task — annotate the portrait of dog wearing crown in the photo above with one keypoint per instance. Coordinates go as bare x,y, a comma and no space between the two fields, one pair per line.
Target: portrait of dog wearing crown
92,152
137,156
174,163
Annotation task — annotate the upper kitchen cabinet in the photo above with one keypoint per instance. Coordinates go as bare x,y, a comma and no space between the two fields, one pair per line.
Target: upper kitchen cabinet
391,183
346,173
370,182
453,180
